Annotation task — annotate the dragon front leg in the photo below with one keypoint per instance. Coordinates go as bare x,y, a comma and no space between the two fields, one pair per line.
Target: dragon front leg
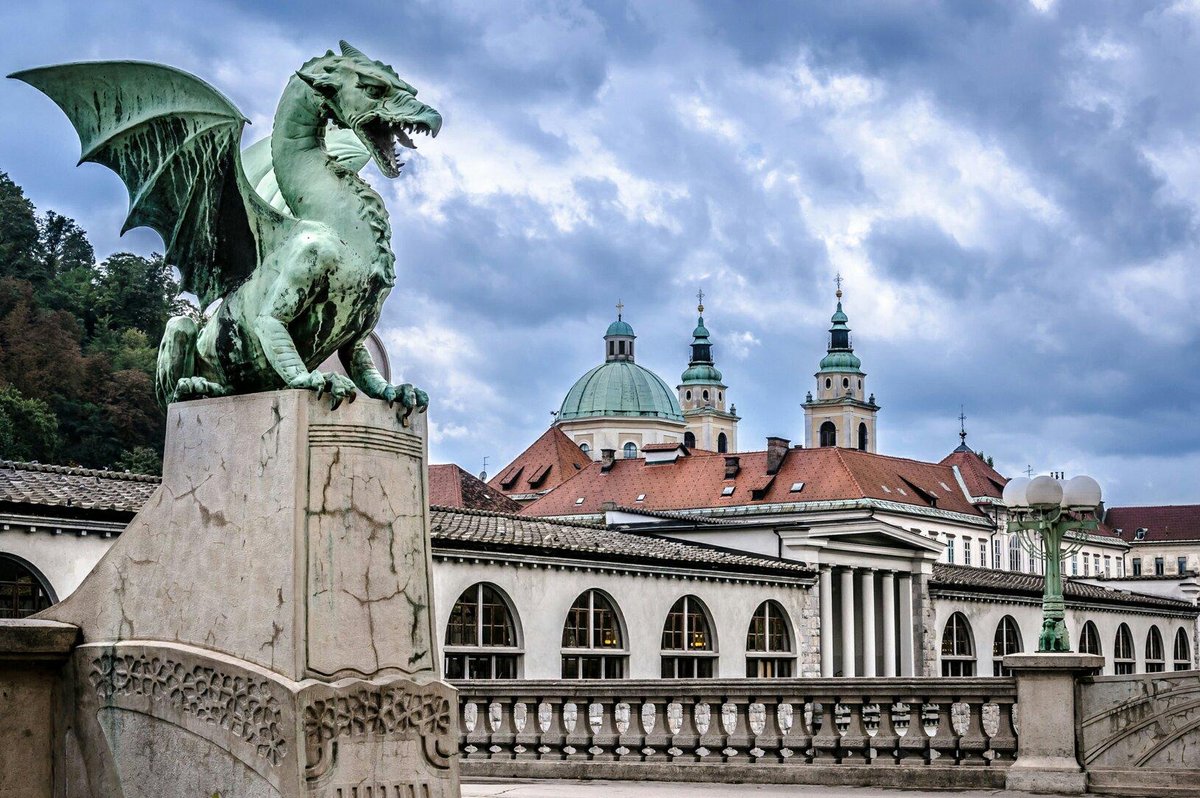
281,352
358,362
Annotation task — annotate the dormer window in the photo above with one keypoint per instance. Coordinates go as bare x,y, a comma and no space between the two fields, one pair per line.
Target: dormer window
727,490
1140,534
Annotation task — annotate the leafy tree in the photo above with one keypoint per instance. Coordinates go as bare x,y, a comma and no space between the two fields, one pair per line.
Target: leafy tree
140,460
66,260
28,428
18,229
135,292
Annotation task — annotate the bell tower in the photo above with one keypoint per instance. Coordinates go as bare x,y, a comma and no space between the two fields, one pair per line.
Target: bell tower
841,414
710,426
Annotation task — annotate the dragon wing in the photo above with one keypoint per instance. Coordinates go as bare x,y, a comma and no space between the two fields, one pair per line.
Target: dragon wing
174,141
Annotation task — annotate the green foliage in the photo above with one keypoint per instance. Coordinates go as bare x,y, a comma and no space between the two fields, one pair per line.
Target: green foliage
28,428
78,343
985,458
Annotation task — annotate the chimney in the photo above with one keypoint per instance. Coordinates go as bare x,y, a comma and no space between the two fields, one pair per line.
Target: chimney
607,458
776,451
733,464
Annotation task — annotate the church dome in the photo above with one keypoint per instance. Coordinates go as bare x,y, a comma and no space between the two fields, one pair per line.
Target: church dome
620,388
841,361
619,327
701,372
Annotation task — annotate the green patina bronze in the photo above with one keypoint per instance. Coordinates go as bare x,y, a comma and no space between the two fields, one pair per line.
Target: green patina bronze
1045,534
294,245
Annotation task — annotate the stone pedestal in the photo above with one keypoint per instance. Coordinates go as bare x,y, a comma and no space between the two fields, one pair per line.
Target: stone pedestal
1047,756
264,625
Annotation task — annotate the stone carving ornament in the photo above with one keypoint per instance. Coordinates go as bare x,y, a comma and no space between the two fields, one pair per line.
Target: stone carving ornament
297,281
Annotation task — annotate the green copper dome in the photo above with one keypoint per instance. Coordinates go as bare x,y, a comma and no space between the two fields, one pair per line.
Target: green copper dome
620,388
841,357
619,327
841,361
701,372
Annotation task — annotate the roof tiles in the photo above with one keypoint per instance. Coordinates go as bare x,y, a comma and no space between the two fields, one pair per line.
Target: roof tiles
1007,583
451,486
1162,522
549,461
82,490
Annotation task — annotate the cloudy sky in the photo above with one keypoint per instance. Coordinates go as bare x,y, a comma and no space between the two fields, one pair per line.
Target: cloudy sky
1010,191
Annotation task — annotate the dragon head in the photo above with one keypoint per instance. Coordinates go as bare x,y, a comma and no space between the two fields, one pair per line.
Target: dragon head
369,98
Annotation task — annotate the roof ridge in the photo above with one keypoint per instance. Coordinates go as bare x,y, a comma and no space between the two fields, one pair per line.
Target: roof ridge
513,516
80,471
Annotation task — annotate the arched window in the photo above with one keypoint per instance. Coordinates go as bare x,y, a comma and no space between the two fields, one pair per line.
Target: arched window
1123,659
23,591
768,642
828,434
592,641
1154,651
828,383
630,450
481,637
1183,651
612,348
688,648
1007,641
689,440
689,394
958,650
862,437
1089,639
722,443
583,447
705,394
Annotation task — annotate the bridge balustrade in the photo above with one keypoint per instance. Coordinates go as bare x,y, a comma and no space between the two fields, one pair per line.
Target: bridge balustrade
741,730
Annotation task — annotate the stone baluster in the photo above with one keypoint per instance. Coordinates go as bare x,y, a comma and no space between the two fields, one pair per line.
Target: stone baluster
577,733
528,736
944,740
687,739
711,739
503,738
886,742
826,741
739,737
477,732
652,720
554,738
632,740
855,748
602,723
1004,742
973,742
913,748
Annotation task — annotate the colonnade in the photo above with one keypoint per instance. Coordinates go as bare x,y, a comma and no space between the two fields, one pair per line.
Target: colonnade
864,596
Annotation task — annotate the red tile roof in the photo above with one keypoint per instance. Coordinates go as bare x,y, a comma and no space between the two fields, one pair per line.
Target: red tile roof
451,486
1008,583
827,474
547,463
1161,522
981,479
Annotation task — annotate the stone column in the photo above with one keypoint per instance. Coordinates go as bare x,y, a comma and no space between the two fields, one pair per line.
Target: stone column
848,623
868,618
887,586
1046,749
826,599
907,628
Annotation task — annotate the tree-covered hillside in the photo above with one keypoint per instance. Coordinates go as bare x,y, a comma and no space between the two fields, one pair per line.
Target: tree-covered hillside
78,341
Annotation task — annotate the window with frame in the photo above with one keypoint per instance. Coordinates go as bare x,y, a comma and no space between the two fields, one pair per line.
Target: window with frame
481,636
688,648
828,434
1014,553
983,553
958,649
967,543
583,447
22,592
1181,565
1087,565
1159,568
862,437
950,551
997,558
722,443
689,440
1155,658
1089,639
1137,566
1107,566
1006,641
1074,565
1123,656
630,450
1182,651
593,645
769,643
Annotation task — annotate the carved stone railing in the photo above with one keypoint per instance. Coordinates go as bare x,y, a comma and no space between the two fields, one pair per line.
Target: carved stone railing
957,732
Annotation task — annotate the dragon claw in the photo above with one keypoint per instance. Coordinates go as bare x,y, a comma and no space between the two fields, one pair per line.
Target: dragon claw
340,389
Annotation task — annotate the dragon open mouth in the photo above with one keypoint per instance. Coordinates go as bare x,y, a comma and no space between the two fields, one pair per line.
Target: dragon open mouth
385,139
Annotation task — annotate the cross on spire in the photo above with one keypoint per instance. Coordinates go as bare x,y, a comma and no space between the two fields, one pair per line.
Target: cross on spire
962,425
1029,471
838,280
620,308
700,300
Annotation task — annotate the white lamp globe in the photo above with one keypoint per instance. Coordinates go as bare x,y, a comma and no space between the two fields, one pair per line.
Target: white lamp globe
1014,493
1082,493
1044,492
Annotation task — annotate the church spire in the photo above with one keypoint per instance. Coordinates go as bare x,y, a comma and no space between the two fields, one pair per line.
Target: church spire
841,414
702,394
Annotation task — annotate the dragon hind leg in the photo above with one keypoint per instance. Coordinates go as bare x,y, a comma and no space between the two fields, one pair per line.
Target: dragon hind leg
176,379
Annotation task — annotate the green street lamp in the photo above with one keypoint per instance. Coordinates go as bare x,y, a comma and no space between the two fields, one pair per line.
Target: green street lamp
1041,512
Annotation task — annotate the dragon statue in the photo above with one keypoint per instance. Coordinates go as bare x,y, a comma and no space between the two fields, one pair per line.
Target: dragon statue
294,245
